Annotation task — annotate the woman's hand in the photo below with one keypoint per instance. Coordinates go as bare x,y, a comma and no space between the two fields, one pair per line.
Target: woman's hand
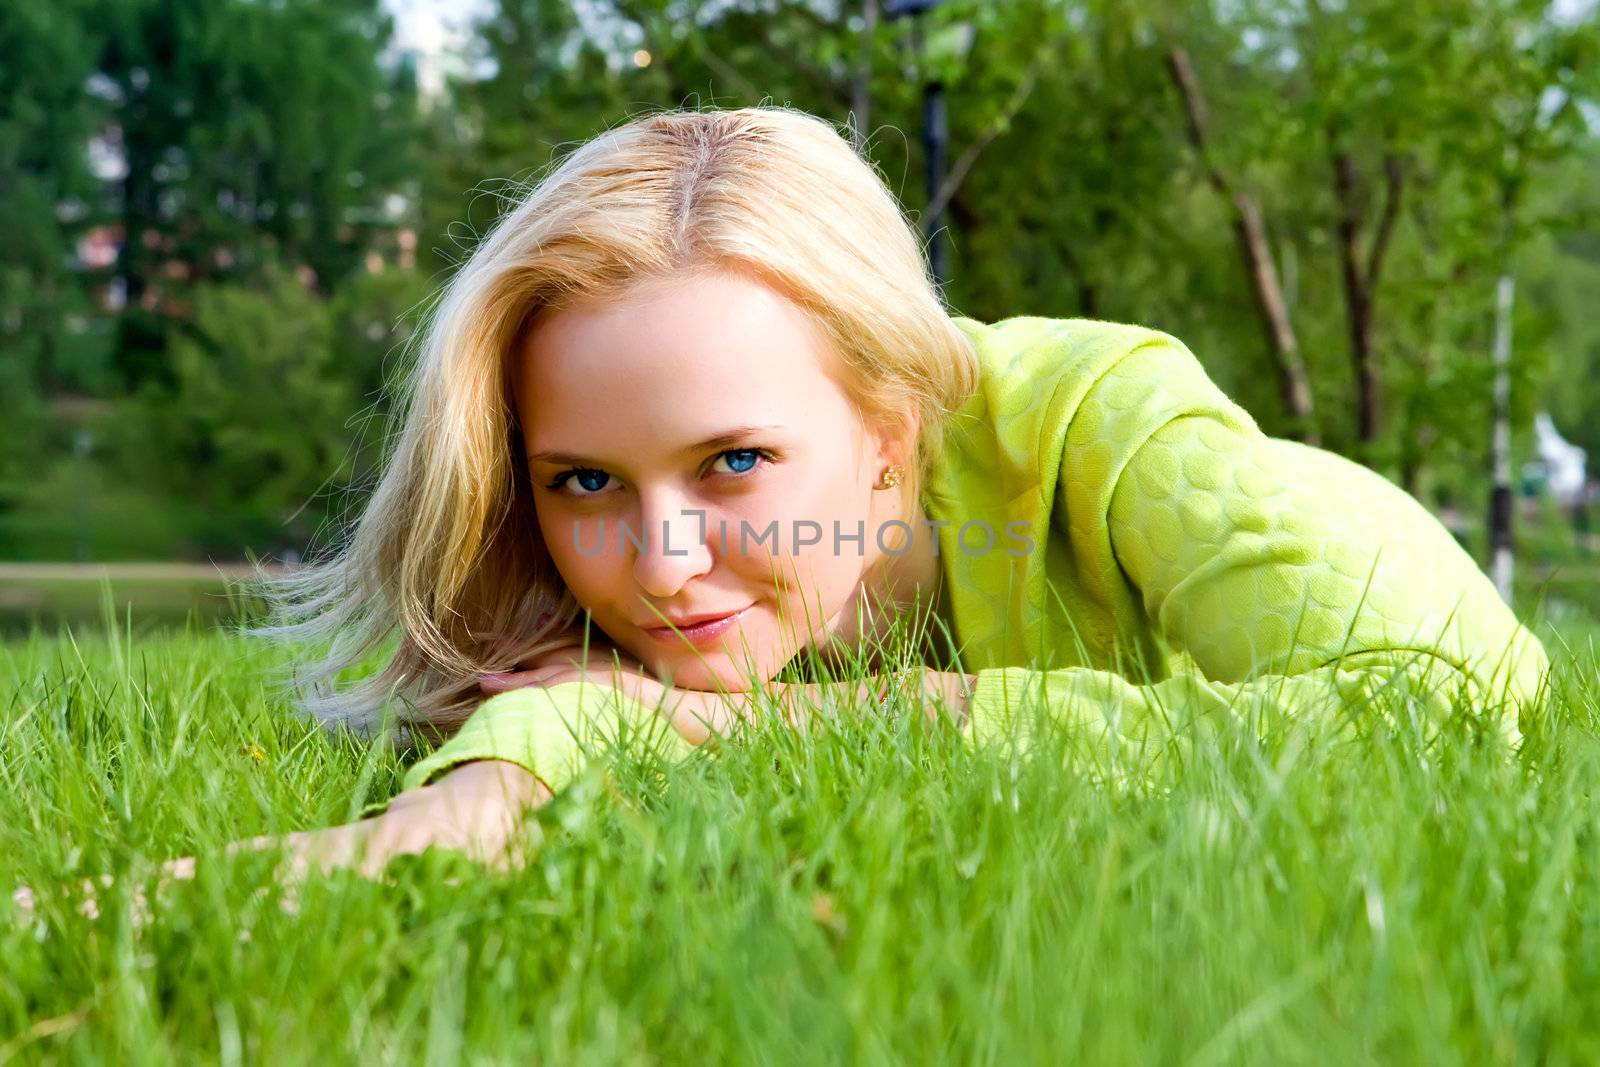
693,713
476,809
953,688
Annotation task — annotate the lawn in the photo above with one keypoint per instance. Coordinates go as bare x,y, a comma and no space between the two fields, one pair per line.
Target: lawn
866,892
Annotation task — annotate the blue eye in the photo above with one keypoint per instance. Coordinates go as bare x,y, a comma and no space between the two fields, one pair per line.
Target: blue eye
741,460
592,481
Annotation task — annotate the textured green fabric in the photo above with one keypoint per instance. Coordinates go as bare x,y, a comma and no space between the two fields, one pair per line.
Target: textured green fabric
1184,549
543,729
1182,566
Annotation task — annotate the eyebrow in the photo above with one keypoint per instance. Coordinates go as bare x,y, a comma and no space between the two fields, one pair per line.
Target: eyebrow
721,440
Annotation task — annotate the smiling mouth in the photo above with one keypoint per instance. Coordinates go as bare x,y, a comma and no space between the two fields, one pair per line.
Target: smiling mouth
704,630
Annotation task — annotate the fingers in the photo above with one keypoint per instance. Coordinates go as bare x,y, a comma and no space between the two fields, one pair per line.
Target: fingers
22,897
181,868
698,716
328,850
354,846
90,906
28,901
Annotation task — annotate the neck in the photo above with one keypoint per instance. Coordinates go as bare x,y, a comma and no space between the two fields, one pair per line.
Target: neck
893,586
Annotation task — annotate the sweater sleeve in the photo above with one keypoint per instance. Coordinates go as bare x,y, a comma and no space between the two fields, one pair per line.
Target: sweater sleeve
1295,580
551,732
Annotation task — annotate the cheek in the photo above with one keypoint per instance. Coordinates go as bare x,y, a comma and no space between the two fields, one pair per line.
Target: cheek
806,555
574,547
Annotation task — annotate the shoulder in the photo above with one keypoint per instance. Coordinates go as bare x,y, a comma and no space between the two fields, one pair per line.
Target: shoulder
1032,345
1088,380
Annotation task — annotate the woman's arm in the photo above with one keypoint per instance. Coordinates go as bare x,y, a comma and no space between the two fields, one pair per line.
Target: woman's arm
1298,582
477,810
549,719
1263,556
517,750
470,794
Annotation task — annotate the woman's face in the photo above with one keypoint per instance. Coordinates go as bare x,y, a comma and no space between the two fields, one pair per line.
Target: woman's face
690,456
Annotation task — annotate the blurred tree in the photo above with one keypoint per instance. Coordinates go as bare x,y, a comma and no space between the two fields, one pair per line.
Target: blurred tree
536,84
274,409
1533,77
266,158
250,132
1260,262
1558,274
255,412
46,184
47,343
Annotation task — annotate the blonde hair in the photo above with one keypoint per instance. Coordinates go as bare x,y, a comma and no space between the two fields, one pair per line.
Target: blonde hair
447,553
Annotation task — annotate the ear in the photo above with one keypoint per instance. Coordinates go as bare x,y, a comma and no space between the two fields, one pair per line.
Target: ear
896,440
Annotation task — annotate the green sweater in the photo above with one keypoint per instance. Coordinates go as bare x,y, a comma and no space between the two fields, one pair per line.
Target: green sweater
1184,567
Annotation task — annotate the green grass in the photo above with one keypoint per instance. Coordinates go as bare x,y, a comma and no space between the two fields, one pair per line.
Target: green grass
866,892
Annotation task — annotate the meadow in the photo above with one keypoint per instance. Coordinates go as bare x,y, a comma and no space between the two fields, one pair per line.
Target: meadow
866,891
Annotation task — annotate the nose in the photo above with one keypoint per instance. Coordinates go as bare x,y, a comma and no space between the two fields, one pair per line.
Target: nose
672,548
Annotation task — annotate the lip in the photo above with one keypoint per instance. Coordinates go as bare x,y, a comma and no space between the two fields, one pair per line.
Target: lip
697,629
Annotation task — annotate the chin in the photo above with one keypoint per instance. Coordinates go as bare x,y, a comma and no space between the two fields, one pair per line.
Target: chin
711,670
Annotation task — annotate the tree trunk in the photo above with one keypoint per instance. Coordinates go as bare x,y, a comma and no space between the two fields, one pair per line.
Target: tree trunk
1294,388
861,79
1358,304
1088,294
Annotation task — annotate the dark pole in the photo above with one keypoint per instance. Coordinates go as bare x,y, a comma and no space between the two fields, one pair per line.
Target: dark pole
935,138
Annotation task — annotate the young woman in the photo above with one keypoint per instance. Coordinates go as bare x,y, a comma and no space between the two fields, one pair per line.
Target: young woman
704,327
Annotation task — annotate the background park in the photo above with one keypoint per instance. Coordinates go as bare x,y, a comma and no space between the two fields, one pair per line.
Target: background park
1377,224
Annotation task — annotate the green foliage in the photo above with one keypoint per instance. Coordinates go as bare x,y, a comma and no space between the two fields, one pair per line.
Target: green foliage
255,414
46,191
1421,148
252,133
547,89
265,425
278,408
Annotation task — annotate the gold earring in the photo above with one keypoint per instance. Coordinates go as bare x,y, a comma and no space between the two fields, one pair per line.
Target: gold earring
890,477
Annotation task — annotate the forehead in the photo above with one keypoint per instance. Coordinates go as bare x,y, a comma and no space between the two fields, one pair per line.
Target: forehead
669,359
